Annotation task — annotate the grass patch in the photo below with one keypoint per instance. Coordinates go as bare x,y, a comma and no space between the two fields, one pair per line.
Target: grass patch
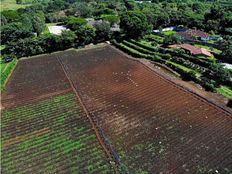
6,70
11,4
2,47
169,33
225,91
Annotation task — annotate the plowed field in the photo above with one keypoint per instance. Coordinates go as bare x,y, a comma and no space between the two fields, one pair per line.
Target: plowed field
35,79
154,125
147,123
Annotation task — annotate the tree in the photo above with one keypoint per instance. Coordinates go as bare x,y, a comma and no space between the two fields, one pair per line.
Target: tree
85,34
110,18
75,22
102,31
19,1
83,9
14,31
68,39
11,15
226,47
130,4
38,22
218,73
172,39
134,24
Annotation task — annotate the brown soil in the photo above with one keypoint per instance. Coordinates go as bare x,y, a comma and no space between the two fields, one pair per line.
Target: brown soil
137,107
34,79
151,121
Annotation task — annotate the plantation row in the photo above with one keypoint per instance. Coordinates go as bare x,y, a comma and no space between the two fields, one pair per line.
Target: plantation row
190,68
53,135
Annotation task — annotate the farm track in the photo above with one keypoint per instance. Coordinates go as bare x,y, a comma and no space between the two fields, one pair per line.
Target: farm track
131,115
135,106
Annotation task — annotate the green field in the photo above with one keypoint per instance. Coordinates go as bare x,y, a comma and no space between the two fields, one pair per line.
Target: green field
6,69
50,136
11,4
169,33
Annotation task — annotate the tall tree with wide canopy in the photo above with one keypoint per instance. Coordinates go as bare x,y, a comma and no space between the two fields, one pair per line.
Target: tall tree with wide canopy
134,24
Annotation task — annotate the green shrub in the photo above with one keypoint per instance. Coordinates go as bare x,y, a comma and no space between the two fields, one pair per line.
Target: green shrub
138,48
144,46
130,51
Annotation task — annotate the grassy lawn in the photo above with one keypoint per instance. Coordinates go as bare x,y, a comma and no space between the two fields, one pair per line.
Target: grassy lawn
168,33
6,69
11,4
2,47
225,91
208,48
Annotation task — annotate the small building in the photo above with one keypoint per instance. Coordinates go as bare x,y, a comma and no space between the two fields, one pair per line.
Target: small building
193,50
194,34
57,30
164,29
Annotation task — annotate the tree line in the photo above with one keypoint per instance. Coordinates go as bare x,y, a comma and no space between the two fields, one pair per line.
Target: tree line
24,28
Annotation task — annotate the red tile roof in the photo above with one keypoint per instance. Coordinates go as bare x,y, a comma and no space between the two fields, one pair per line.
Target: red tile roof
189,34
192,49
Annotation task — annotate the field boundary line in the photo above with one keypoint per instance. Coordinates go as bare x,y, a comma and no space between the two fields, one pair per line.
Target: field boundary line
98,135
179,86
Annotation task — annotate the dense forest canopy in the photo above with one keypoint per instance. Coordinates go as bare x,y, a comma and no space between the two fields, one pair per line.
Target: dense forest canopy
27,25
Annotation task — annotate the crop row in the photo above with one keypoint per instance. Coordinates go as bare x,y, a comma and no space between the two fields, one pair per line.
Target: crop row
69,144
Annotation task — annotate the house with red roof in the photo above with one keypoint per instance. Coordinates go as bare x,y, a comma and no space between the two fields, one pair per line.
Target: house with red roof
193,50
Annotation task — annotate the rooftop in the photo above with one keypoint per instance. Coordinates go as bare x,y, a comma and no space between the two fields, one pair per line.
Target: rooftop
189,34
192,49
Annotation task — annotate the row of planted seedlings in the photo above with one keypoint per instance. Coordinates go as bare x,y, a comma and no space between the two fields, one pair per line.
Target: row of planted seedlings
18,151
34,116
40,149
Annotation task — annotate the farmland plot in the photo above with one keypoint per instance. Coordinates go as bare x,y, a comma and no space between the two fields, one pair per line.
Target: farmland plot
154,125
35,79
50,136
